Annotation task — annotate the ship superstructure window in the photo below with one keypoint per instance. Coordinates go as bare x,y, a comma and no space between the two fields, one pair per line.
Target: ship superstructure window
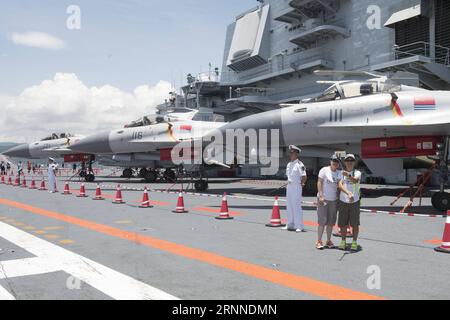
412,29
442,12
247,49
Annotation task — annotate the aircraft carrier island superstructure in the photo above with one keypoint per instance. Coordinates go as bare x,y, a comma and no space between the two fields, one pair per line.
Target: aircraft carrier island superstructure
272,50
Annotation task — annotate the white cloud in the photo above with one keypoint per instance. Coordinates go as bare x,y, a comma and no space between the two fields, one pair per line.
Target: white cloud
66,104
37,39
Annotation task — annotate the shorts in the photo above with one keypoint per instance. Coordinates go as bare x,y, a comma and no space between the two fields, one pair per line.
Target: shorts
327,214
349,214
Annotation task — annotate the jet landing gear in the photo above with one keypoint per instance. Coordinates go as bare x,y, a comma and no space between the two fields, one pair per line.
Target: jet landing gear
150,176
441,199
127,173
88,174
90,177
201,185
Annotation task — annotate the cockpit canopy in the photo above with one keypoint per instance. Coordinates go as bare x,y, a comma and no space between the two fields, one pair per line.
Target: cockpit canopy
177,114
352,89
55,136
146,121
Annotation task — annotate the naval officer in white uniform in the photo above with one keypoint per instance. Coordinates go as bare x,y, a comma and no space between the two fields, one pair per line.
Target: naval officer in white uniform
296,175
52,167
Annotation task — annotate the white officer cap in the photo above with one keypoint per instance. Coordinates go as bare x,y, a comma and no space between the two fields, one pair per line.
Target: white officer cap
51,159
350,157
294,148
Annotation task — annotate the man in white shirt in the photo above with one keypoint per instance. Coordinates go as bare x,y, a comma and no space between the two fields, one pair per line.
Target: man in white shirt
296,175
349,207
327,185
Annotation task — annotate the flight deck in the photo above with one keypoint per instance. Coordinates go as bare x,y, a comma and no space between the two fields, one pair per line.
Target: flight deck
56,246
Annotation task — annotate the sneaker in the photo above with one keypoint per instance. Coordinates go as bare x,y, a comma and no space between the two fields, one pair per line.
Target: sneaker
330,245
343,245
285,228
300,230
354,246
319,245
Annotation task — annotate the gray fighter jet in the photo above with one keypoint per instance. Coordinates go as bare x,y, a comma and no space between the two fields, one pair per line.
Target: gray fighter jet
55,146
147,145
384,122
52,146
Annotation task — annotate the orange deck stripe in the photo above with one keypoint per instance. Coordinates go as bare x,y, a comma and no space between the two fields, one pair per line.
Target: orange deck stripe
212,210
300,283
434,241
308,223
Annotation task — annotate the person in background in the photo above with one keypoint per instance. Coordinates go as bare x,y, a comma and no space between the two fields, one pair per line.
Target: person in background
74,168
19,171
28,166
52,167
2,168
296,175
349,206
8,167
327,205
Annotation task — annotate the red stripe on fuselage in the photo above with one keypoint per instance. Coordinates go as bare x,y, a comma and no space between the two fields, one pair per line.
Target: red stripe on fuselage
420,101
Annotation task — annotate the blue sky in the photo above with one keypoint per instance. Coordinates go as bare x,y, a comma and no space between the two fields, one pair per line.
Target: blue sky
122,43
123,61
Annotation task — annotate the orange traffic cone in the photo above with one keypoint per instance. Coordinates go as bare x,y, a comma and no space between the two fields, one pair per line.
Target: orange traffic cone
33,184
9,181
42,187
224,214
445,247
16,182
82,193
275,221
67,189
180,204
145,200
98,194
24,182
3,180
118,199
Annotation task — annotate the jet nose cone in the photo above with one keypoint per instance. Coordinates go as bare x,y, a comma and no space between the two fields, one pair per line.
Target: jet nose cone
21,151
94,144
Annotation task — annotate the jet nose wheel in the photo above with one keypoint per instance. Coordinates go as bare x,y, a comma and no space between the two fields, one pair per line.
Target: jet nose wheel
127,173
170,176
150,176
441,201
142,172
201,185
89,177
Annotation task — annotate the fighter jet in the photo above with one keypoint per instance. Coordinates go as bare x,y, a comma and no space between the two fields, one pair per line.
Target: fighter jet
55,146
384,122
148,146
52,146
